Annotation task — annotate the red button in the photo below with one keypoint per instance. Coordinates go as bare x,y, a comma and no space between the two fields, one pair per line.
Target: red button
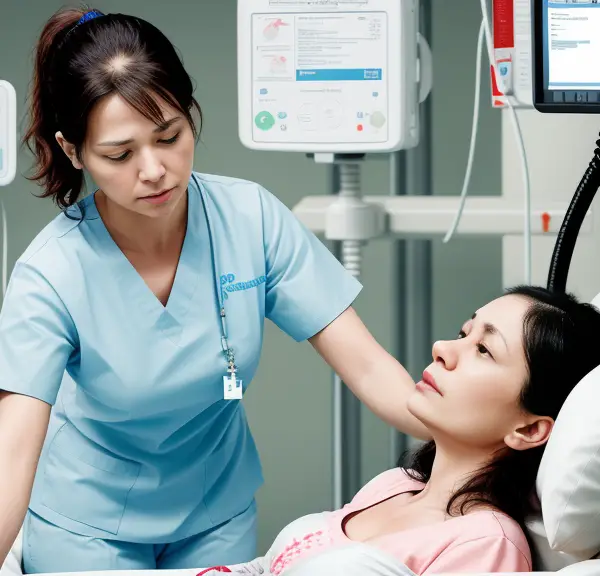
545,222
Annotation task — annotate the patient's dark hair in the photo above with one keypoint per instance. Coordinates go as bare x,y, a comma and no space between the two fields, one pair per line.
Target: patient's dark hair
76,66
561,347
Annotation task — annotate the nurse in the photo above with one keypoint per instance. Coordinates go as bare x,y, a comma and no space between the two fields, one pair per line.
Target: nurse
137,315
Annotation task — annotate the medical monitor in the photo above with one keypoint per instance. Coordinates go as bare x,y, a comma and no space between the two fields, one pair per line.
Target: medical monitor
566,56
335,76
8,133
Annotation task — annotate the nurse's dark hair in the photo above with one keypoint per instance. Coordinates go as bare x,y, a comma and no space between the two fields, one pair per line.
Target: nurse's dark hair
76,66
561,347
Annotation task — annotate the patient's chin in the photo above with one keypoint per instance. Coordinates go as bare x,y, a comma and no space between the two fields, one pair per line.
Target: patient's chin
421,408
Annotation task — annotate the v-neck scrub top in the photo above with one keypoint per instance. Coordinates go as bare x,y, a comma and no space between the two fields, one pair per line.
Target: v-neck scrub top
141,446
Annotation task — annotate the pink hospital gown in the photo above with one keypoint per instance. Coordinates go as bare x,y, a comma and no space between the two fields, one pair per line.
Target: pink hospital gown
482,541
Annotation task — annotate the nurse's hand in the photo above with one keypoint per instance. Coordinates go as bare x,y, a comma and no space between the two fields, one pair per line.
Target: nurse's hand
376,378
23,427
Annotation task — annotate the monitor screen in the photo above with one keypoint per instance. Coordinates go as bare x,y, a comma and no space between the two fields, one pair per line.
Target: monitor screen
566,55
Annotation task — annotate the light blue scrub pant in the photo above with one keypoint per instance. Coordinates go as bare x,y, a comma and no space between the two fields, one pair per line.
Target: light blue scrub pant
48,548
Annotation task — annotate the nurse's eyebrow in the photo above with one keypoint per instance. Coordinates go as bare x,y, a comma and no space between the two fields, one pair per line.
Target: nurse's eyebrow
160,128
491,330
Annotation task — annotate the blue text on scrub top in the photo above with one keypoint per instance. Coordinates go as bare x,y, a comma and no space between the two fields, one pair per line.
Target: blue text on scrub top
228,284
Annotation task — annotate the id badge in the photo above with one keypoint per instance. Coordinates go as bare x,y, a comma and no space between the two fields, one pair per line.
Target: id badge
232,388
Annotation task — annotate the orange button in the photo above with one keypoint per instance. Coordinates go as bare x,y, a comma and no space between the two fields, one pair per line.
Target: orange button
545,222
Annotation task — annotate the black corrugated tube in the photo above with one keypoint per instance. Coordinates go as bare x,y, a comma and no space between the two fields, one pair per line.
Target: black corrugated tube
569,230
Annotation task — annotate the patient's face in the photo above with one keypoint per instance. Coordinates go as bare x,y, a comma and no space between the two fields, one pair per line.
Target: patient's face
480,376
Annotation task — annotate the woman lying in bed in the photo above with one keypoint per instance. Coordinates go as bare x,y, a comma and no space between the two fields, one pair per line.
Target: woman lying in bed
488,400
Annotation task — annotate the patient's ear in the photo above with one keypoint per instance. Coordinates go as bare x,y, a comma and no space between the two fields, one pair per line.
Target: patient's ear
530,434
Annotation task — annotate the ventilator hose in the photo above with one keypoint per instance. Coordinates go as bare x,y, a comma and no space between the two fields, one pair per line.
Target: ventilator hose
569,230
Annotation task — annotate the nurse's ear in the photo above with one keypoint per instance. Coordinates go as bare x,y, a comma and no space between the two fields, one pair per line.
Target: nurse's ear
69,150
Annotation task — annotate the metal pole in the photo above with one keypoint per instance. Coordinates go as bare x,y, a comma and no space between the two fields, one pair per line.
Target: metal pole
347,478
414,326
337,448
397,170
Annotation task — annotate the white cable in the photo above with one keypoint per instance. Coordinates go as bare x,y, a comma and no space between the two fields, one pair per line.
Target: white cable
520,142
488,33
474,127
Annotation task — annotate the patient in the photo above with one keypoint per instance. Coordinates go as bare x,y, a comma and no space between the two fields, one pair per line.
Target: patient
489,400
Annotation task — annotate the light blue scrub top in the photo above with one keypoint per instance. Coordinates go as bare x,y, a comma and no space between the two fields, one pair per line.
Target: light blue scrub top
142,446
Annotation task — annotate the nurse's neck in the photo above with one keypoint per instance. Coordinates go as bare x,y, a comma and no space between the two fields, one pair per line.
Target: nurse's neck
140,233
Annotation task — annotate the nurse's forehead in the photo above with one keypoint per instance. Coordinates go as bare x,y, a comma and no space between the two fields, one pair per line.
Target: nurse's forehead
115,116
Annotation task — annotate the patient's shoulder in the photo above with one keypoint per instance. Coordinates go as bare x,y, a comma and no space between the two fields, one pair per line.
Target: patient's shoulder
386,484
483,541
497,526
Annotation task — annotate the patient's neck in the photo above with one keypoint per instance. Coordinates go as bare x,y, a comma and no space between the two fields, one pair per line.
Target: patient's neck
452,467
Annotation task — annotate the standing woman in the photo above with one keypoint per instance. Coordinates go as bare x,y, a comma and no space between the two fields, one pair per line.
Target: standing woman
137,314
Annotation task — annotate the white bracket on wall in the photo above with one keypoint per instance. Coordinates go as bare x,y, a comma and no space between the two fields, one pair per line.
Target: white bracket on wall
427,216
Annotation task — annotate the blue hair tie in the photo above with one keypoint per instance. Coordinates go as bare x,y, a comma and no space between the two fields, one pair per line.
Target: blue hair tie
85,18
89,16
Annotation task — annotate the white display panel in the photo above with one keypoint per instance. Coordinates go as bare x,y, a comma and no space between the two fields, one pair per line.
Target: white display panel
328,76
572,45
320,78
8,133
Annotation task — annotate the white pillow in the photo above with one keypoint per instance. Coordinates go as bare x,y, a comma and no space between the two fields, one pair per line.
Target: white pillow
548,560
568,481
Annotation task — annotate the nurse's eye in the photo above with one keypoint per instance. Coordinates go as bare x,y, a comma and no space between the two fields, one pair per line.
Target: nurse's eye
462,334
171,140
120,158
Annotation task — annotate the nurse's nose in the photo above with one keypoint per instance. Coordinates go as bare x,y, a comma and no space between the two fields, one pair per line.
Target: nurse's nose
445,353
151,169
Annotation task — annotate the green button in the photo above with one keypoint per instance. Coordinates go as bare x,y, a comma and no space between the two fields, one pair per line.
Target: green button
264,120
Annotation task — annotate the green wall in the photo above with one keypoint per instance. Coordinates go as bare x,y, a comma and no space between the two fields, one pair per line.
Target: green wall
290,403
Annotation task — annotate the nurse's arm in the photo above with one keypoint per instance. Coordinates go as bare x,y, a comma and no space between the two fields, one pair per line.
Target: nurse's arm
375,377
23,427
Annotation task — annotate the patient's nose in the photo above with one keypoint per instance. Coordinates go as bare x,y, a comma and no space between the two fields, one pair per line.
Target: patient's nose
445,353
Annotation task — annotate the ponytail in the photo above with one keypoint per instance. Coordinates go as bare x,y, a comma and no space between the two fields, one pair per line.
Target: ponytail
53,169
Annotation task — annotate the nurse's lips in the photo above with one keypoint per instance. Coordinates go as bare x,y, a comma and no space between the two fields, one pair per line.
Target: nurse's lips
159,197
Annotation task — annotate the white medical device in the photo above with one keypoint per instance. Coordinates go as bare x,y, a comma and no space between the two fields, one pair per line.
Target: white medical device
8,133
329,76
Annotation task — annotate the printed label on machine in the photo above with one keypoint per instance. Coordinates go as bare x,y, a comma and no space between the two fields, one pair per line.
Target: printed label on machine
511,37
320,78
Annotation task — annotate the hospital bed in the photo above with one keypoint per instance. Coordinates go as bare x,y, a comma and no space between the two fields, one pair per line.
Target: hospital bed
568,487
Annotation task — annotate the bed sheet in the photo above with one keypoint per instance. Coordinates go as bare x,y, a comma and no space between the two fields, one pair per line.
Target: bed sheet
353,560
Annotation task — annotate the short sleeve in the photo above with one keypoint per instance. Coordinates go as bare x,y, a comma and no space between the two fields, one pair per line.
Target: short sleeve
307,287
482,555
36,336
